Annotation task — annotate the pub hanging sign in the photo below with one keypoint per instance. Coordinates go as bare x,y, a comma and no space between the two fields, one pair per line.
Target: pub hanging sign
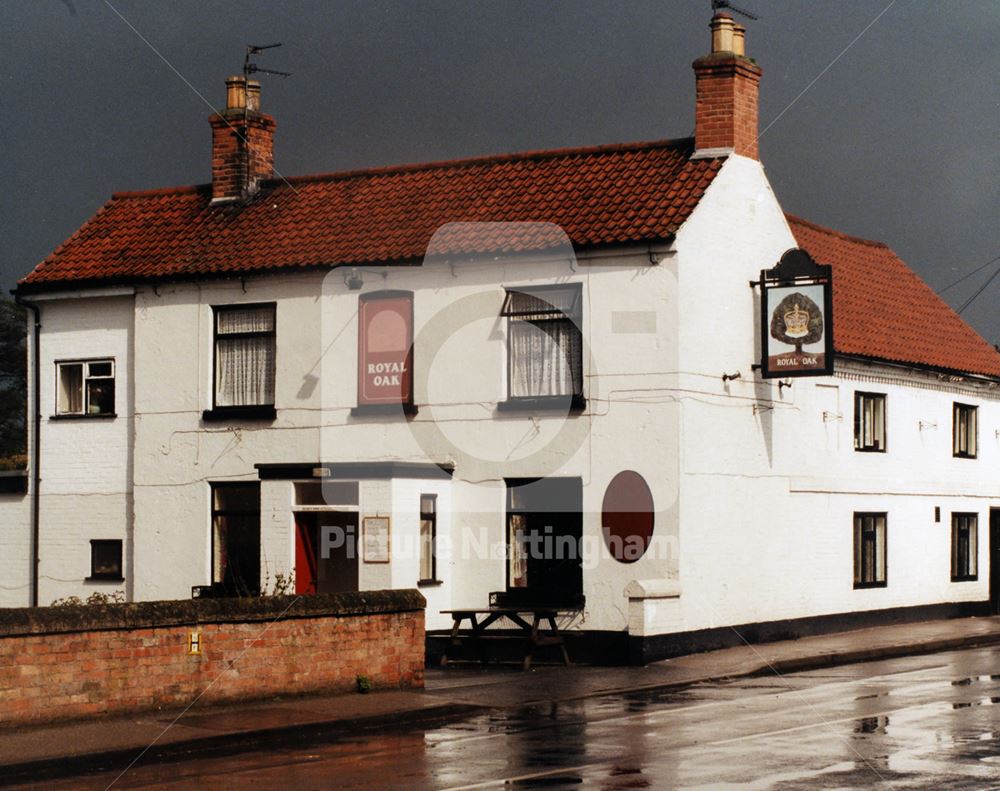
796,326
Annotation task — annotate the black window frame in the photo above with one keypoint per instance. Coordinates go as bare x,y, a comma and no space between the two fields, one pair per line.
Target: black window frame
858,527
958,412
860,399
98,544
85,376
576,400
969,571
429,516
242,411
219,586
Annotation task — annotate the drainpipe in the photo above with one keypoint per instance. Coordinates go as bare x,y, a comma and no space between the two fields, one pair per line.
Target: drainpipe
36,440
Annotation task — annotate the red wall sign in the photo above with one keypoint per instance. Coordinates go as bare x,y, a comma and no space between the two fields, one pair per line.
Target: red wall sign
627,516
385,348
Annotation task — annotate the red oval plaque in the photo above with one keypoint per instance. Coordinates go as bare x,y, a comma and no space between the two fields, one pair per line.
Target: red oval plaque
627,516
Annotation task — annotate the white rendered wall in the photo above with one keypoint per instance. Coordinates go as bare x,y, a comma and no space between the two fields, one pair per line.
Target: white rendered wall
754,489
15,550
769,485
629,328
86,463
178,456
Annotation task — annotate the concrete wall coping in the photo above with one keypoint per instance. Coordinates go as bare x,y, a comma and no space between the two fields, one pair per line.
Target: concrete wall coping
653,589
159,614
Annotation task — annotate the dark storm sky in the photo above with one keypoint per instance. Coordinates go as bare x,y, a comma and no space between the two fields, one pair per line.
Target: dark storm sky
899,140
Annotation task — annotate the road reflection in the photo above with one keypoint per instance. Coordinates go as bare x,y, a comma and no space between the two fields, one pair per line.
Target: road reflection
924,722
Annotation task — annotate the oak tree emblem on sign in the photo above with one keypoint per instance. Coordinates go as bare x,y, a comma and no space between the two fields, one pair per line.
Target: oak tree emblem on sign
797,321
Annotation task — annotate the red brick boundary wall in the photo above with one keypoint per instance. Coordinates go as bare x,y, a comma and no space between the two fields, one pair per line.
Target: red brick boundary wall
59,663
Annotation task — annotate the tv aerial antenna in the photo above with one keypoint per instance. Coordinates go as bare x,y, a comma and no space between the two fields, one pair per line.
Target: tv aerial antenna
252,68
718,5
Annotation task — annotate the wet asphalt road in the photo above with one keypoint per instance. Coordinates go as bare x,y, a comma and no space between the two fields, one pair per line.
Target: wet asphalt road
927,722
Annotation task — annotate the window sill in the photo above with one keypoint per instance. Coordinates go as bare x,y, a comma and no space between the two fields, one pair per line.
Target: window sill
429,583
369,410
962,456
864,585
559,403
230,413
869,450
104,579
974,578
99,416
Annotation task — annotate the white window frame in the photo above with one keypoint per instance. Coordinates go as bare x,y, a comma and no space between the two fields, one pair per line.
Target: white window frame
84,394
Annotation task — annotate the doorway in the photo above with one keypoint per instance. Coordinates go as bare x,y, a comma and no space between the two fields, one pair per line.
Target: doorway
995,561
544,529
326,552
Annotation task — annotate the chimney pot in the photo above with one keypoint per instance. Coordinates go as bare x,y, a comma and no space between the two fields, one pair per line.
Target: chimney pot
253,96
242,143
726,88
236,93
722,32
739,40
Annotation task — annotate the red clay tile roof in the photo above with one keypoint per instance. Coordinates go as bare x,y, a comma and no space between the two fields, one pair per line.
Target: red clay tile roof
604,195
609,194
883,310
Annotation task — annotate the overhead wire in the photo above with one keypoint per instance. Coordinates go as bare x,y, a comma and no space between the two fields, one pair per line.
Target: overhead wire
966,276
981,289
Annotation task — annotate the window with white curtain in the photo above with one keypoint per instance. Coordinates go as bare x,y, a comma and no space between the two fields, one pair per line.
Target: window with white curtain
544,343
244,355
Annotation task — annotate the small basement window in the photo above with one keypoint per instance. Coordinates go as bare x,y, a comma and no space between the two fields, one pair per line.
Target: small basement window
106,560
85,387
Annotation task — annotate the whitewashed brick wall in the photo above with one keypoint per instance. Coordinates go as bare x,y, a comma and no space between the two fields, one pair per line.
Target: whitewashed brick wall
86,488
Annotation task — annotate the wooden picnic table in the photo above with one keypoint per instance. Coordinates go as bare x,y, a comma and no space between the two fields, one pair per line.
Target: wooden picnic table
520,615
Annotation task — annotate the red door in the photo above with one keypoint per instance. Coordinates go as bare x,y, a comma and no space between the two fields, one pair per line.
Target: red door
305,554
326,552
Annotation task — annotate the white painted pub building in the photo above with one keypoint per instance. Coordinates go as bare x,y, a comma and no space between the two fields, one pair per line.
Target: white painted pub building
447,375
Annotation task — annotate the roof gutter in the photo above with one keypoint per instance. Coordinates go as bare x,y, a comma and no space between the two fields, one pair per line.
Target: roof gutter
658,248
934,369
36,440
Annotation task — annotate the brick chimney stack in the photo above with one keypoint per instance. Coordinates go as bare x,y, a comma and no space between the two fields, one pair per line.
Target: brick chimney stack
242,143
726,88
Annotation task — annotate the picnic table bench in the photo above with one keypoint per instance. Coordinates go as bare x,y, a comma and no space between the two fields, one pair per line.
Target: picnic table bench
528,618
